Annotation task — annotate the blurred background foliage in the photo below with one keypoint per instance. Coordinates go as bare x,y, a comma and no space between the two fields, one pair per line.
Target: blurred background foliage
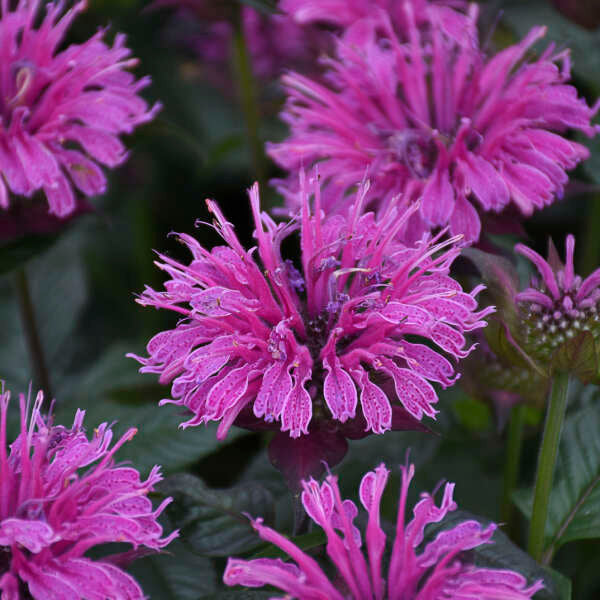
84,280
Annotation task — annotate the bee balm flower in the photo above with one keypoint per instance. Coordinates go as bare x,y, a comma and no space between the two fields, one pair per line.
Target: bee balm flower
61,111
60,495
438,571
298,345
436,120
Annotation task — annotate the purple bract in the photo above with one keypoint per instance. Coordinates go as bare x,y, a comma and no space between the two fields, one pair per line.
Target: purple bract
297,344
430,118
438,571
60,495
61,111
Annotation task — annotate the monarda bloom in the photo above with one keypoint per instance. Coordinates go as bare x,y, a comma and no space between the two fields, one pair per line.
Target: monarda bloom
432,119
61,494
436,570
290,346
61,111
559,306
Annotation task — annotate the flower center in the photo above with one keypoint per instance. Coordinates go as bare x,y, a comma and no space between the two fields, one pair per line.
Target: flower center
416,150
553,326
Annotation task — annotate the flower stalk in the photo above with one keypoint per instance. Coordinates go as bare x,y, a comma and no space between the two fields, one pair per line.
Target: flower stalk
512,465
31,329
546,462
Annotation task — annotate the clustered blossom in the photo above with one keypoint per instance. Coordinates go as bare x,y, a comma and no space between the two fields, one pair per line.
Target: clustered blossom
436,570
285,340
435,120
61,111
559,304
61,495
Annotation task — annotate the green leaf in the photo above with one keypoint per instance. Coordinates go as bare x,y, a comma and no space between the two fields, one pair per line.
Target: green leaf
58,288
15,254
305,542
574,511
563,584
214,522
175,574
112,389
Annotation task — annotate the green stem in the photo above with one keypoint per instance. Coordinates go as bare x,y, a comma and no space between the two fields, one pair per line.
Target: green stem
514,444
555,416
248,96
34,343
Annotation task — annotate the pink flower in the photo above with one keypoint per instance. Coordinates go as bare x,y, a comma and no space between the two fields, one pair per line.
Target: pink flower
62,110
559,305
60,495
301,344
432,119
437,572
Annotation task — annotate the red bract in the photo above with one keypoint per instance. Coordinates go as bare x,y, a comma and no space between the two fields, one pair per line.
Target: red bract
61,112
60,495
433,119
438,571
297,344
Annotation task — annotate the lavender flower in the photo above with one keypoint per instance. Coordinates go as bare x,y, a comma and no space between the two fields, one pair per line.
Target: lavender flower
61,495
438,571
61,111
559,305
298,343
433,119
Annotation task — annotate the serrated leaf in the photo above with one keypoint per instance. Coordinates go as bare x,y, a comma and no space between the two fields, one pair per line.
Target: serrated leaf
214,522
175,574
574,510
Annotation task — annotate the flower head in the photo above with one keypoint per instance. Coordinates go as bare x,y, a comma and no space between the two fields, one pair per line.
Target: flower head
436,572
559,305
61,111
432,119
296,344
60,495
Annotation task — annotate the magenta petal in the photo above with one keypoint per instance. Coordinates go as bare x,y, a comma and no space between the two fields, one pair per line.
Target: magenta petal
437,204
